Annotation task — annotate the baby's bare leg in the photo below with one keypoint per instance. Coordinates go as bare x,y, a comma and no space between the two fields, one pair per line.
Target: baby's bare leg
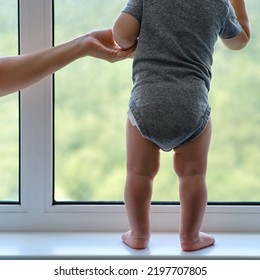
142,166
190,164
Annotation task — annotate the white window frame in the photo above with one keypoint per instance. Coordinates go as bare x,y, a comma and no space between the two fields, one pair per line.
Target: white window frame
36,211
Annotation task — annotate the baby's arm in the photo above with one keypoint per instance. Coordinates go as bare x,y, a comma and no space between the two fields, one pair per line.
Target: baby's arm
241,40
126,30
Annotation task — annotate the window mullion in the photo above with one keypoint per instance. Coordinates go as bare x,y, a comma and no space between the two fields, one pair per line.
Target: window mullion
35,35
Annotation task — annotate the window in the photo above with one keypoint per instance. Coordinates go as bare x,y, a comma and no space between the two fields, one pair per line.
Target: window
91,97
61,141
9,110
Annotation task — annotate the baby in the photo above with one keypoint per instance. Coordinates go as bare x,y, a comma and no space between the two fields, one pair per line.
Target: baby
169,106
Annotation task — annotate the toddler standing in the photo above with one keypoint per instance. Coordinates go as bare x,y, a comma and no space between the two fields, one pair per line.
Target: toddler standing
169,106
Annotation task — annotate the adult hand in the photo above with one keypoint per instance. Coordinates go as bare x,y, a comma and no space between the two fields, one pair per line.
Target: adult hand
101,44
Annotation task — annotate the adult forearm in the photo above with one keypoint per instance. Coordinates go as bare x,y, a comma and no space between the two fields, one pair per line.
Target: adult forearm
21,71
18,72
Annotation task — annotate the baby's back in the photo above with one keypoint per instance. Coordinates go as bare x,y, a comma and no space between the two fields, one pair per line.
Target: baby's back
178,37
172,65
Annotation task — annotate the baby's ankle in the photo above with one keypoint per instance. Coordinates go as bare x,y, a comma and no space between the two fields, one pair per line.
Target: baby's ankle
136,242
196,242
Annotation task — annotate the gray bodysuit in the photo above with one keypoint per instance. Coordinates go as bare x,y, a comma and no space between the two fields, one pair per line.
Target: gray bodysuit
172,65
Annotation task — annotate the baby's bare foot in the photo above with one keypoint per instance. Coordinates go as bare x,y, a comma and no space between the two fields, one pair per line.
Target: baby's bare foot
202,241
135,242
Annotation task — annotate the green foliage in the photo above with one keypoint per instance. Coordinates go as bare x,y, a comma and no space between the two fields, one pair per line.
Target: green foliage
9,138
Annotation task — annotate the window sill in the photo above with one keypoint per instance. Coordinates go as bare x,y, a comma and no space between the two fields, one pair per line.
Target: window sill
70,245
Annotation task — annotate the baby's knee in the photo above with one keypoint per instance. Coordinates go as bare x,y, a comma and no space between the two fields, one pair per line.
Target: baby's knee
150,170
189,172
187,168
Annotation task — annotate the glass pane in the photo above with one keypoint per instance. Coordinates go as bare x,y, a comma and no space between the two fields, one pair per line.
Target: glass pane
91,100
9,113
234,172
